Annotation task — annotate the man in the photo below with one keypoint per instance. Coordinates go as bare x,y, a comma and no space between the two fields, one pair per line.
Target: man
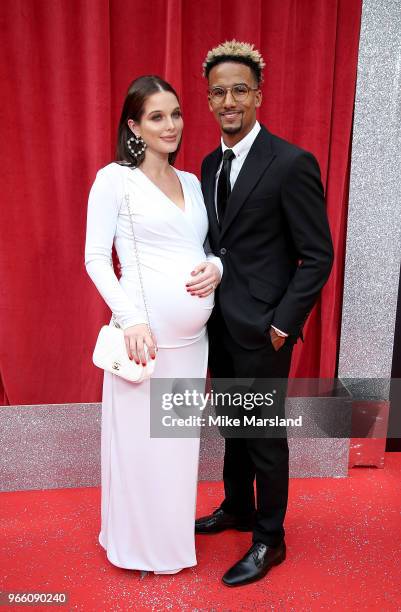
268,224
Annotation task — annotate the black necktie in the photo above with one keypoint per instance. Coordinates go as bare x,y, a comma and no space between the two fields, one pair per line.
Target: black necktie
224,185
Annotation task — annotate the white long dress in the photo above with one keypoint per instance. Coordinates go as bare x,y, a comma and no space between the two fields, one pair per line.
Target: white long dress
149,485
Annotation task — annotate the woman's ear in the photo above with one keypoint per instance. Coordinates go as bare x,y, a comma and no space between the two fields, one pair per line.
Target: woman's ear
134,127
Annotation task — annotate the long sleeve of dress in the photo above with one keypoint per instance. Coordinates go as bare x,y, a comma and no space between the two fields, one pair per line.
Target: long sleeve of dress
103,208
211,258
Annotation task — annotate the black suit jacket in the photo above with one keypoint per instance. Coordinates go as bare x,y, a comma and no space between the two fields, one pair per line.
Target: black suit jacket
275,241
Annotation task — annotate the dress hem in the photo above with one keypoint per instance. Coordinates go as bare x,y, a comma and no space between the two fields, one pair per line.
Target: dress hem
142,569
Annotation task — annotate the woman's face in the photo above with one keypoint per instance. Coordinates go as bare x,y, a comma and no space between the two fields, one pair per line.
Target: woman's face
161,124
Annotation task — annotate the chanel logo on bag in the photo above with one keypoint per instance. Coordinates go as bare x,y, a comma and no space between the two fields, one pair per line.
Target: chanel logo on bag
116,365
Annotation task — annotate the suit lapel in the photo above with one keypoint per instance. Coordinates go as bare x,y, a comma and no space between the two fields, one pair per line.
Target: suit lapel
257,161
210,175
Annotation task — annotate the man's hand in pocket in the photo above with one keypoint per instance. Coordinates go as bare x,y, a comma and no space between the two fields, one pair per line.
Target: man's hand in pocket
277,341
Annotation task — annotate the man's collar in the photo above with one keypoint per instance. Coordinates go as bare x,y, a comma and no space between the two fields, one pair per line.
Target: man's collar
242,147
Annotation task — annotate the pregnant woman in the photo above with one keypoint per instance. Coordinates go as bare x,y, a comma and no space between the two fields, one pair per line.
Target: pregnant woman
149,484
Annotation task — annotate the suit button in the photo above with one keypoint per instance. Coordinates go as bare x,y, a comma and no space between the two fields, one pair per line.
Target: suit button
223,251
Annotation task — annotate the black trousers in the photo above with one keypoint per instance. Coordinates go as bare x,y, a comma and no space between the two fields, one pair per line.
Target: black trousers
245,459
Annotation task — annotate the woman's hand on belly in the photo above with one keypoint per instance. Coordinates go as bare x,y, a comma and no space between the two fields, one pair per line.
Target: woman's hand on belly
208,277
137,337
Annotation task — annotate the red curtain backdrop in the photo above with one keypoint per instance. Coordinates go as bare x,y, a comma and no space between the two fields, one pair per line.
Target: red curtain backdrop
65,68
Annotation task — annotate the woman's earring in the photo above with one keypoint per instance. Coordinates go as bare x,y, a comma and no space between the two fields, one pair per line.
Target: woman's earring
136,146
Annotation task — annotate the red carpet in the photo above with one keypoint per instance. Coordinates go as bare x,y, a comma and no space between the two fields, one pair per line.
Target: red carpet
343,551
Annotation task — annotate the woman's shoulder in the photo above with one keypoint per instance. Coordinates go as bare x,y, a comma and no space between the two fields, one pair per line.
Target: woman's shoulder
112,171
189,177
109,182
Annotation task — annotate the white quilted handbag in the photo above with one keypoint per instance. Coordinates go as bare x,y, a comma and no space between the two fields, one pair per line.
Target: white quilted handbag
110,354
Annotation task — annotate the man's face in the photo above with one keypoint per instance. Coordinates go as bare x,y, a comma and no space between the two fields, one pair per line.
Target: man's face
235,117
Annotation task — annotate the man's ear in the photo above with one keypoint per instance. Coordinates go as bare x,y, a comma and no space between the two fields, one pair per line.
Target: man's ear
258,98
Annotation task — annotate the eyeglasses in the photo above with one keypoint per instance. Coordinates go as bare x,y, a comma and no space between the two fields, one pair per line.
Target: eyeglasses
239,92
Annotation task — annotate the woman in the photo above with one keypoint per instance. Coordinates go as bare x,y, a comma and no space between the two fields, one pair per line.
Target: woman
149,484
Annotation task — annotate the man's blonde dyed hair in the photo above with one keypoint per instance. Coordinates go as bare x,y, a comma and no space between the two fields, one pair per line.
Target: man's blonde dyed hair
235,51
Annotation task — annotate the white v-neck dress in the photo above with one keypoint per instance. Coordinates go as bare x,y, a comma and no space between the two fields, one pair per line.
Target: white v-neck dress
148,493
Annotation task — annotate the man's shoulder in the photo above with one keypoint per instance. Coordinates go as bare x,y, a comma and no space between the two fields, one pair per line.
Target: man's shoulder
286,145
265,138
284,148
210,157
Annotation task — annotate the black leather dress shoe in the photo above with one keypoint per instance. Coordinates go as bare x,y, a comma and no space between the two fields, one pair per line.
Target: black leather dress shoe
255,564
220,520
